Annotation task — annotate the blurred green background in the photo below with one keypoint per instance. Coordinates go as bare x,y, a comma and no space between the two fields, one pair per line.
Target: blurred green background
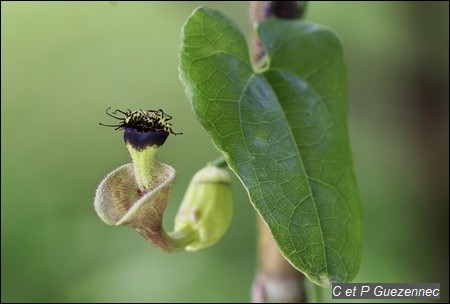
63,64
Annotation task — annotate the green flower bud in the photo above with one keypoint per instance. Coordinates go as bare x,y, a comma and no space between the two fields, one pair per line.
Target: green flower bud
207,207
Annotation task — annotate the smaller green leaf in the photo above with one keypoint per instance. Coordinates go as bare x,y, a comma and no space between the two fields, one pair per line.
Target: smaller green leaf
283,131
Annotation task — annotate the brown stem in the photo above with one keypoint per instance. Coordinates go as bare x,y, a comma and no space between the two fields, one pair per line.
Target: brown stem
276,280
260,10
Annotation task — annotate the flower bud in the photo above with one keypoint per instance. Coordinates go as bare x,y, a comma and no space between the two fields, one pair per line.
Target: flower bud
207,207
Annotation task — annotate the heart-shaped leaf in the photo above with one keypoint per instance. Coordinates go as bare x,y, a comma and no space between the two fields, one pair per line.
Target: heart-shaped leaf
283,131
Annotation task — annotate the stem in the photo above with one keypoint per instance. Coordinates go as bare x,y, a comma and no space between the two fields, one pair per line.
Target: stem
169,241
219,162
261,10
183,237
276,280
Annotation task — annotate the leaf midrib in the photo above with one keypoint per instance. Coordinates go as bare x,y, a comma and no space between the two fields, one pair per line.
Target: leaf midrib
300,161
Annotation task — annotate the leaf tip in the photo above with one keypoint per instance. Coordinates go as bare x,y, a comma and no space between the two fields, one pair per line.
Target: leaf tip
325,281
203,10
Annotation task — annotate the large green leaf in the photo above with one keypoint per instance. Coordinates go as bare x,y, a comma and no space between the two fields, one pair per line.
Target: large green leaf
283,131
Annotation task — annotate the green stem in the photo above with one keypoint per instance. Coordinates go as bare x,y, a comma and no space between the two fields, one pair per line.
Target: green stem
219,162
183,237
169,241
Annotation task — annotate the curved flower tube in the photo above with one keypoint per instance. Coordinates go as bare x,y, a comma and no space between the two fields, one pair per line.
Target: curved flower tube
137,194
